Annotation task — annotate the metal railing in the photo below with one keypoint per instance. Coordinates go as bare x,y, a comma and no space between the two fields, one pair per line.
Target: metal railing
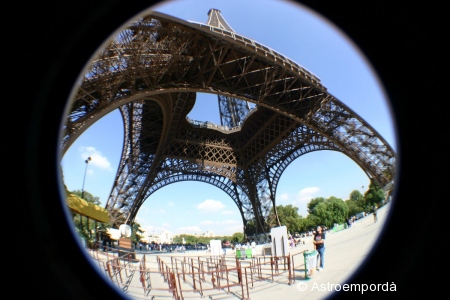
181,277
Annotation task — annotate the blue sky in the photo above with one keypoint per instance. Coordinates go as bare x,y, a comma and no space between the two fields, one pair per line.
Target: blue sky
294,31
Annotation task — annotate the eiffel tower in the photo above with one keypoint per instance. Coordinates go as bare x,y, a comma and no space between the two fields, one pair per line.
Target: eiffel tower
272,111
232,110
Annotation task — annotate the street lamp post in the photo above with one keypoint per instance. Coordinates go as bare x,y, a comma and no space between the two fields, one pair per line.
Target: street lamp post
84,179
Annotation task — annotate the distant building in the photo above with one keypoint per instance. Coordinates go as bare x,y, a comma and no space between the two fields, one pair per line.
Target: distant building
209,233
164,237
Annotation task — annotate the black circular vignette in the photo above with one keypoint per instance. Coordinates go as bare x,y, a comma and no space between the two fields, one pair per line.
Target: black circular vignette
402,42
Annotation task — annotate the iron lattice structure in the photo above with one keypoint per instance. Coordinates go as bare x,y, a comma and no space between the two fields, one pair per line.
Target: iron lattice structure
151,72
232,110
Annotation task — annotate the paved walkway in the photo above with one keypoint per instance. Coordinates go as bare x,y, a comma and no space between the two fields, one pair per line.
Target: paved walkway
345,251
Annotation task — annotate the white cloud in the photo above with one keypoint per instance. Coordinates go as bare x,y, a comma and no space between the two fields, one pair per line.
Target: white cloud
228,222
207,222
189,229
210,205
97,159
232,229
228,212
148,229
283,198
228,227
141,222
306,194
171,203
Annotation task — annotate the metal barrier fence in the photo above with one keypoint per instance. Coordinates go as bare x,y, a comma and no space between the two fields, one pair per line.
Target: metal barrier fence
181,277
203,274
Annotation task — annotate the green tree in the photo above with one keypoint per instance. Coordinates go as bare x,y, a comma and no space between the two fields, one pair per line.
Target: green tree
313,203
237,237
83,229
86,228
87,196
309,222
356,203
357,198
116,218
332,210
288,216
353,208
136,233
374,196
188,239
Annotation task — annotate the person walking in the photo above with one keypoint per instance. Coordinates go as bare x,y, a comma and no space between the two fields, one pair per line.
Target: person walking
375,218
319,243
